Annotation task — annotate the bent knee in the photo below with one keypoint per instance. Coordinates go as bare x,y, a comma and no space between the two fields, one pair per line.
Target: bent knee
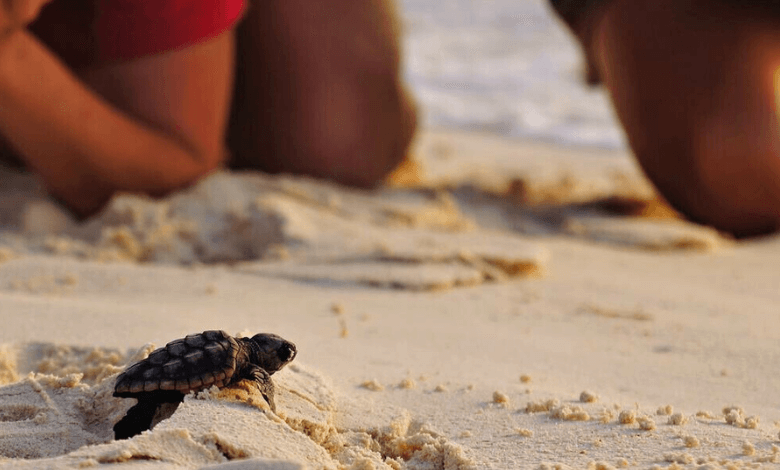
722,166
362,138
740,176
733,189
699,106
348,135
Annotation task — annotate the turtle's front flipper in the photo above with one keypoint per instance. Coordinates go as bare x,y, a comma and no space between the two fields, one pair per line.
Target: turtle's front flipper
137,420
150,410
264,383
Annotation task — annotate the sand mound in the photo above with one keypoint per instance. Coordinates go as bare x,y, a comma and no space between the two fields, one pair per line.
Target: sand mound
468,210
418,240
444,232
67,420
648,234
530,174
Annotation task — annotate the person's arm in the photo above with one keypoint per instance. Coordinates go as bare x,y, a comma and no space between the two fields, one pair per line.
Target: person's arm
163,127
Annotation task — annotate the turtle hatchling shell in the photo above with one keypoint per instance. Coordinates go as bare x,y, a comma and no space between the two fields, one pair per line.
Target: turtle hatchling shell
189,364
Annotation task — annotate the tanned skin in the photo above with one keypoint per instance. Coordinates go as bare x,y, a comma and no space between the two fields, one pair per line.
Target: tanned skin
319,84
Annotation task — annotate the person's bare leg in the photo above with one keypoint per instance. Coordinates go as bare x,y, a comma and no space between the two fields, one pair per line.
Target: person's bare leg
318,90
695,85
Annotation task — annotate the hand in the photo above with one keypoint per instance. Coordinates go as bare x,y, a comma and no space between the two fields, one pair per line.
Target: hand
16,14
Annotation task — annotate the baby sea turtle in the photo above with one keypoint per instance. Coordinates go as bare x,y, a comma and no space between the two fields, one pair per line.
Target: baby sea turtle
194,363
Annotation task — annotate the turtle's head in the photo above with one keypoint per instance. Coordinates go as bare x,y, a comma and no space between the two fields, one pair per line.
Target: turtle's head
272,352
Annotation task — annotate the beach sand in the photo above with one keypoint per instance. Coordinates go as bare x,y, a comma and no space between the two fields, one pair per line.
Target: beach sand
499,304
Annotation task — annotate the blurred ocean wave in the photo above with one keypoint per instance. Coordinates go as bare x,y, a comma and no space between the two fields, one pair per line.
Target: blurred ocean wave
503,66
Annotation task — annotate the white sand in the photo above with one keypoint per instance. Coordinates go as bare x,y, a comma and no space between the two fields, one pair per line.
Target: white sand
493,316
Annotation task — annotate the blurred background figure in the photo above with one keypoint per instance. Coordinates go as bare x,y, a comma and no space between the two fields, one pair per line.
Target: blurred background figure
121,95
693,83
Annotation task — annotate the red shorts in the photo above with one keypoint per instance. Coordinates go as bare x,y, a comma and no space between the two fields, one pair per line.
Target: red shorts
87,32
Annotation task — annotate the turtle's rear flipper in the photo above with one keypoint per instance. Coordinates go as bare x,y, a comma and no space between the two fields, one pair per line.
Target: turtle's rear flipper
149,411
